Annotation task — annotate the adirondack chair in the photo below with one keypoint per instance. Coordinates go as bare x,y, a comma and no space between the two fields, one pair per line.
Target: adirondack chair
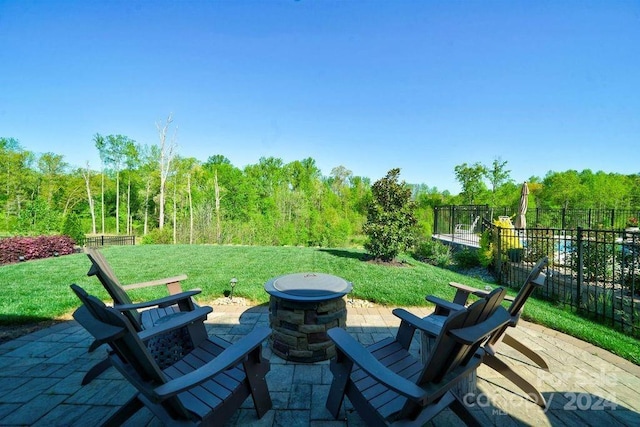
535,279
141,315
177,301
386,384
466,228
204,387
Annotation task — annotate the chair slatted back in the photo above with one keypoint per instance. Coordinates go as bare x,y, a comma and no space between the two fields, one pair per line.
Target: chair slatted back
534,280
105,274
447,353
133,359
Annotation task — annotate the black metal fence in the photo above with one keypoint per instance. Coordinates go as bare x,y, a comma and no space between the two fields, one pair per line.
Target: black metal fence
594,271
446,218
109,240
586,218
594,256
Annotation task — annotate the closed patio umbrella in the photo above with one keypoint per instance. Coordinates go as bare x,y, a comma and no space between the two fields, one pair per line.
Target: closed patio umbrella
521,219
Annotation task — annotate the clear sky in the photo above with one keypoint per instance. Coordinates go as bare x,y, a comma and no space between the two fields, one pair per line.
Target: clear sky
369,85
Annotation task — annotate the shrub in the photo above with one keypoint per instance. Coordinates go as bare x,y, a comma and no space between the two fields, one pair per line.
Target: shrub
485,253
390,225
467,258
597,257
73,229
433,252
542,243
158,236
13,248
627,268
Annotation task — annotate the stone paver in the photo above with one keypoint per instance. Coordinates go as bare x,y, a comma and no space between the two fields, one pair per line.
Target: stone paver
40,379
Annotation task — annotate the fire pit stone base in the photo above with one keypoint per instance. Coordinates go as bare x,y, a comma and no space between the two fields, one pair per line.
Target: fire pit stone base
300,328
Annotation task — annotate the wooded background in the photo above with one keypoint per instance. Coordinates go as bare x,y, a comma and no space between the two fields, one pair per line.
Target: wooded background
153,192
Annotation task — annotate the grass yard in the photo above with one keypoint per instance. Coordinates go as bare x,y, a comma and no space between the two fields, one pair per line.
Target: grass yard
39,290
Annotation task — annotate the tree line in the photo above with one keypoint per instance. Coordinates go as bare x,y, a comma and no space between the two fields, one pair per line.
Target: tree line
153,192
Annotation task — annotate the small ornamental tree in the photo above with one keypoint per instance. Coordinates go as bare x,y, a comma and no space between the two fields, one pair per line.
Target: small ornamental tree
390,219
73,229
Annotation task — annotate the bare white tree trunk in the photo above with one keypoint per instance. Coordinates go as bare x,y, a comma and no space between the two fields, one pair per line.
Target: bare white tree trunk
175,217
166,155
146,207
190,210
117,202
217,190
129,219
86,174
102,201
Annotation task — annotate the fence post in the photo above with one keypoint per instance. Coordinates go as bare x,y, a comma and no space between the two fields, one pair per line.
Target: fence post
498,254
580,272
613,218
452,211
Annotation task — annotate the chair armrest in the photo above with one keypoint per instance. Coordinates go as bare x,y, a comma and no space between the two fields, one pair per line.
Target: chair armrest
416,322
160,302
472,334
230,357
176,321
451,306
469,289
157,282
360,356
461,289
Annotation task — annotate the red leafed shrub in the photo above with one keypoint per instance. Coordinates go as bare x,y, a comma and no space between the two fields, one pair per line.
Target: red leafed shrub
12,248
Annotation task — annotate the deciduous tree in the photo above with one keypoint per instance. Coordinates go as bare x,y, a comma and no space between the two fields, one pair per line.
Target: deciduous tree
167,152
470,178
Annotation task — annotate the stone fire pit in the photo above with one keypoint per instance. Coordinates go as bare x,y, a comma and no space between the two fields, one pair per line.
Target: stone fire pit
302,308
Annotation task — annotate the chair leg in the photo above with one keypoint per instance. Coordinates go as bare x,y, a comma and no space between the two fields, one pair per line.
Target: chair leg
448,400
96,370
461,410
532,355
259,390
341,372
502,368
125,412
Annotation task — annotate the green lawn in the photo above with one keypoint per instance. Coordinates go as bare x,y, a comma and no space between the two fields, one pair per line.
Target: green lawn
39,290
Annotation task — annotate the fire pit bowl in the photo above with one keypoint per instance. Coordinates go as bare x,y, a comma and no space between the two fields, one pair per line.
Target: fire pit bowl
302,308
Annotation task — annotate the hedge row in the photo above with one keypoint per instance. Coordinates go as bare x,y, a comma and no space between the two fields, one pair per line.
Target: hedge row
15,249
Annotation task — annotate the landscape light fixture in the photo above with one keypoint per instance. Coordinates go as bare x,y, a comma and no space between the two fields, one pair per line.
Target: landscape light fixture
233,282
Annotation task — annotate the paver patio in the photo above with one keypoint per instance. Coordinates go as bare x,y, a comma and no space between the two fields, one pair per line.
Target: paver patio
40,378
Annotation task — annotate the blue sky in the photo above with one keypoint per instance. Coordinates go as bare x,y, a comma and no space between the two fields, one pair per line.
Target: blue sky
368,85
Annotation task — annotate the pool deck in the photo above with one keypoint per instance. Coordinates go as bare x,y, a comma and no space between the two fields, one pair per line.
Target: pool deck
463,239
40,376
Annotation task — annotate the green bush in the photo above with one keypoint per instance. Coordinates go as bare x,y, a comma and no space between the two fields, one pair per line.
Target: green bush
390,225
73,229
467,258
486,251
597,257
158,236
540,243
433,252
